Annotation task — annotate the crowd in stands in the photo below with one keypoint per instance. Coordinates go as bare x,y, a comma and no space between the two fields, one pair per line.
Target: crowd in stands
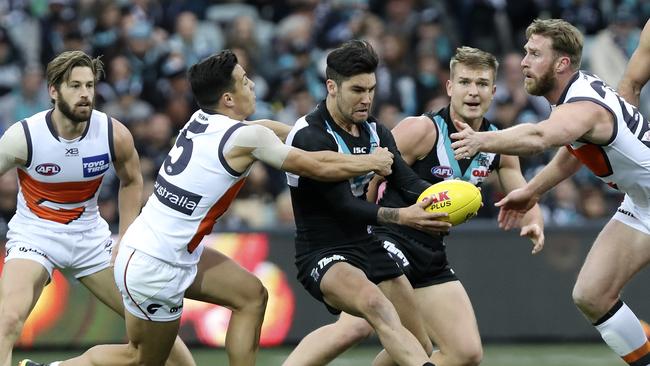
147,46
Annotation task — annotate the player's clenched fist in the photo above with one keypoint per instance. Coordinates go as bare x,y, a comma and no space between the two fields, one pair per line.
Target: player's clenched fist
384,160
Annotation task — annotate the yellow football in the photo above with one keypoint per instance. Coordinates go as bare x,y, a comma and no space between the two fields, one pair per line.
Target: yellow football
459,199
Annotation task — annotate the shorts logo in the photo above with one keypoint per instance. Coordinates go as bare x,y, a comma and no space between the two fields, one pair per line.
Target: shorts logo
442,171
625,212
175,309
95,165
314,274
396,254
327,260
174,197
48,169
31,250
151,309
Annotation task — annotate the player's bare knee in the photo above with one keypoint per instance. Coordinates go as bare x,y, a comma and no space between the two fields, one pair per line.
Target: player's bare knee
255,298
374,306
354,332
586,299
361,330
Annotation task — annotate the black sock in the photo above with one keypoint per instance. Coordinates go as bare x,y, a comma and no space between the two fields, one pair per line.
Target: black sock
428,364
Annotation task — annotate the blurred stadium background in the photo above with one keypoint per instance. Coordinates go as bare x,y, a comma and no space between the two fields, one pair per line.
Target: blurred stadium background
523,303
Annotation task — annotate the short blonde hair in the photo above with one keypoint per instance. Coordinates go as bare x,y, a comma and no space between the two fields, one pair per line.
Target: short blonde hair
475,59
565,38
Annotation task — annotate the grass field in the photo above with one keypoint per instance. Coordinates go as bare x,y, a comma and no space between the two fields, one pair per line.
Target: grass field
495,355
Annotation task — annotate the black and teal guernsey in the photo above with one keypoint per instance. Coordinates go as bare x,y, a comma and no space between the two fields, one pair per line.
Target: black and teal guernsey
439,164
331,214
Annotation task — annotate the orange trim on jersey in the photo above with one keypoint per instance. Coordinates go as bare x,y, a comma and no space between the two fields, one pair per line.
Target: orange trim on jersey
205,227
637,353
594,157
36,192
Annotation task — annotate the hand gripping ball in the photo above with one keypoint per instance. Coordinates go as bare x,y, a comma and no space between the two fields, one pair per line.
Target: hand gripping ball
459,199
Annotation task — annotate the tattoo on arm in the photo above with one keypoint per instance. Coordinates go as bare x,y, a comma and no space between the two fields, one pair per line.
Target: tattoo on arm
387,215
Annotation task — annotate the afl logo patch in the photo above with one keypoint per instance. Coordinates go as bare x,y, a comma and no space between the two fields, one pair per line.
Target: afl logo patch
442,171
48,169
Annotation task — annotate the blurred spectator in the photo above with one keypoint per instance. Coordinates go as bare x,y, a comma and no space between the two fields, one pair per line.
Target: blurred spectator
193,39
613,46
430,77
300,103
561,208
586,15
122,93
394,84
389,115
60,19
174,94
106,32
158,140
432,35
29,98
10,63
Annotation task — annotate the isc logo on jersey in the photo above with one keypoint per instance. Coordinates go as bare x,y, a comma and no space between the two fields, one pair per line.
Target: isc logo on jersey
48,169
95,165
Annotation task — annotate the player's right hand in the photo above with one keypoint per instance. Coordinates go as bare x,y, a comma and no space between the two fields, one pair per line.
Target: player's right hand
416,217
513,206
383,160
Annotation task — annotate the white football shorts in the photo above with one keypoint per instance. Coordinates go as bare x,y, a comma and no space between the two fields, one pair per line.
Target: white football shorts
151,289
633,216
78,254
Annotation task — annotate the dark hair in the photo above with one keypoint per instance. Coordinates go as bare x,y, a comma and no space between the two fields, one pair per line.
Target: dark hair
352,58
211,77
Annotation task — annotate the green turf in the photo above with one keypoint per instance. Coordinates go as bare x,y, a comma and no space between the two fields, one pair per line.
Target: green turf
495,355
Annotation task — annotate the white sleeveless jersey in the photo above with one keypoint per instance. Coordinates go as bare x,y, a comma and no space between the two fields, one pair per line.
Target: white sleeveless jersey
59,184
195,186
624,161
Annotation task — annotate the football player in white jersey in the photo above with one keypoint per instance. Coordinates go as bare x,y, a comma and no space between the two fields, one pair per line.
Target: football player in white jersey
637,72
592,125
160,260
61,156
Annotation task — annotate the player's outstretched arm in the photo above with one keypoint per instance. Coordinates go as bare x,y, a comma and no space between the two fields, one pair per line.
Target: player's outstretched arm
637,72
256,142
532,222
127,167
280,129
567,123
13,148
520,200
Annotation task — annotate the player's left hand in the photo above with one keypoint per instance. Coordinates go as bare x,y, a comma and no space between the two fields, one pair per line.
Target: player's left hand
536,234
468,142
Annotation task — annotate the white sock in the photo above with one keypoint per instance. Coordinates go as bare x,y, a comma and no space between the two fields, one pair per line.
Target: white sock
623,333
57,363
